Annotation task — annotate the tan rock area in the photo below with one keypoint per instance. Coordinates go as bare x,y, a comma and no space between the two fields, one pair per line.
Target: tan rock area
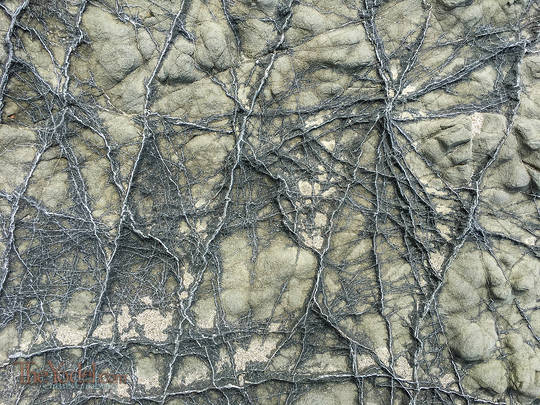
274,202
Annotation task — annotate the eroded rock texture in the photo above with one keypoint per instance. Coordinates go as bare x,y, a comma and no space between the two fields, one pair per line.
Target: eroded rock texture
271,201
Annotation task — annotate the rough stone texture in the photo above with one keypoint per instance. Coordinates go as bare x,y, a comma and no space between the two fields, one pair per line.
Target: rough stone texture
271,202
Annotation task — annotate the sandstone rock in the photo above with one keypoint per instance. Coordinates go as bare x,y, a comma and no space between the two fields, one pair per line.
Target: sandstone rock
179,65
472,341
491,376
263,202
116,50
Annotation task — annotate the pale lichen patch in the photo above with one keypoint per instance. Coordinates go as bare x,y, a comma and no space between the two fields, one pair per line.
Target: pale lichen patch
259,350
154,324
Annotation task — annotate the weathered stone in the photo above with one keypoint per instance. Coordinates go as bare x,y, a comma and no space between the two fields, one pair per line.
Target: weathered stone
472,341
491,376
263,202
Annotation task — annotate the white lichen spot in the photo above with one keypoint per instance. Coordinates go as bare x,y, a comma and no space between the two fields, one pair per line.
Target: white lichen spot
437,260
241,379
105,329
123,319
433,190
383,354
274,327
403,369
477,119
447,380
187,279
183,227
132,333
364,361
314,121
329,144
445,231
201,225
305,187
69,336
257,351
154,324
330,192
443,209
394,71
122,390
320,219
408,90
243,95
531,240
313,241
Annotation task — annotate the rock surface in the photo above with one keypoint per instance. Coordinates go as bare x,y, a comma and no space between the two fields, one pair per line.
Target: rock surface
270,202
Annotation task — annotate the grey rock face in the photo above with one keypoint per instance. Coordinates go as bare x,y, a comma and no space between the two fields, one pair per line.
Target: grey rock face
269,202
